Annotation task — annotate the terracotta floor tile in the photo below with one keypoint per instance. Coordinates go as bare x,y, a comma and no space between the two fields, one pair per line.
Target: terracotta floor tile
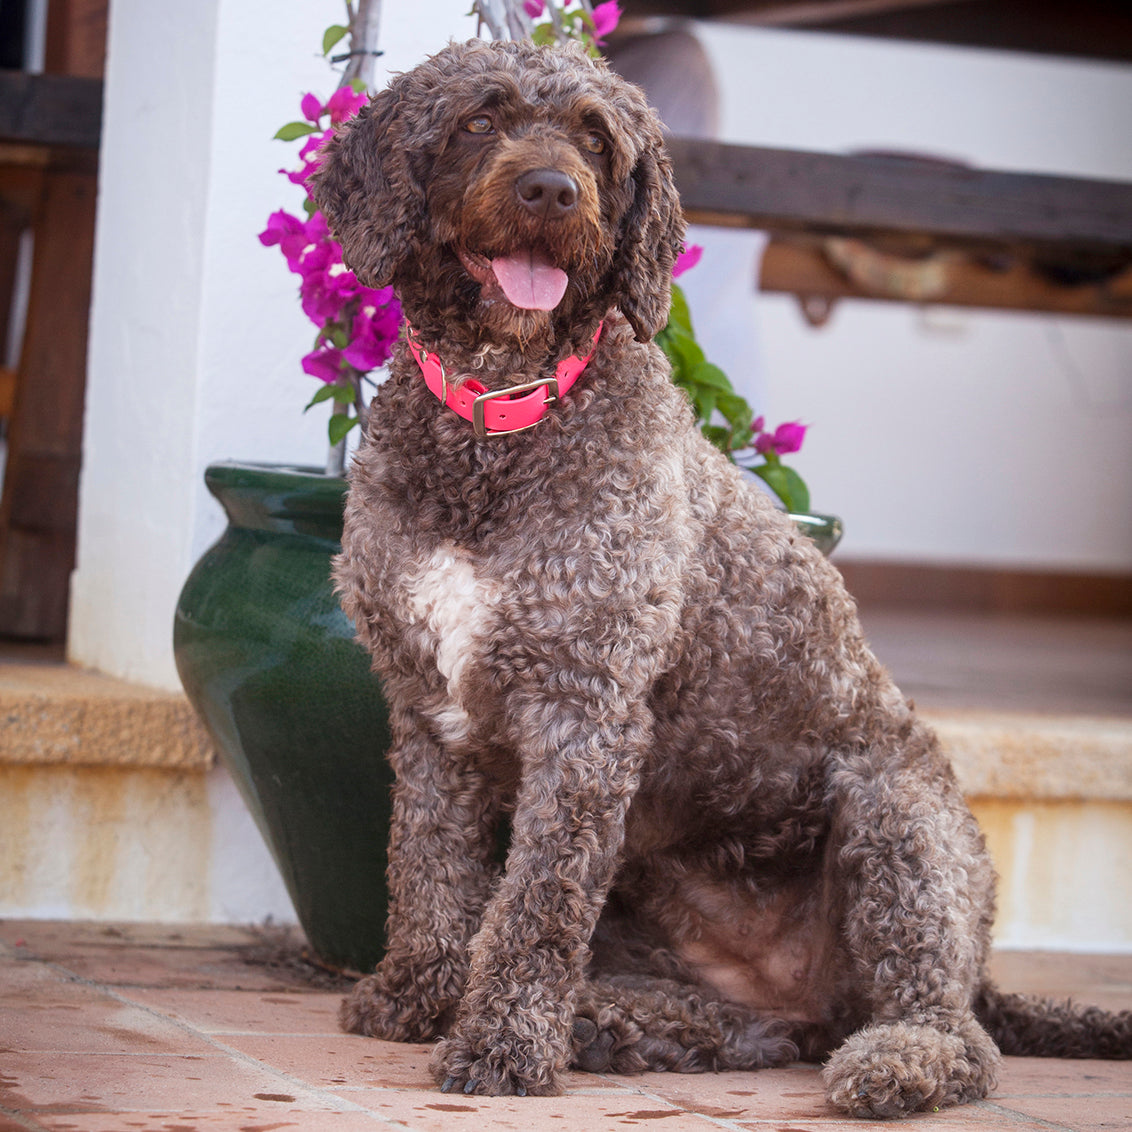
1083,1114
46,1011
437,1112
140,955
255,1012
1102,980
220,1121
61,936
791,1092
9,1124
167,1042
1041,1076
967,1120
338,1060
78,1083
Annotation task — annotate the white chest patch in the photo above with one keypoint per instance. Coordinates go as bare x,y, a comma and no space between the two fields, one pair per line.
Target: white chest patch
456,606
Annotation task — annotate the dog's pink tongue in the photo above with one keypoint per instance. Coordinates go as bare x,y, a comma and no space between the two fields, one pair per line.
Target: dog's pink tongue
530,281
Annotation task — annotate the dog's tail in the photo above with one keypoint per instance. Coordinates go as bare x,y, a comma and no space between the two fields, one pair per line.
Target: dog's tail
1025,1026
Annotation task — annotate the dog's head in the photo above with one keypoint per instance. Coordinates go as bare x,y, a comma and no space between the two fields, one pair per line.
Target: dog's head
518,185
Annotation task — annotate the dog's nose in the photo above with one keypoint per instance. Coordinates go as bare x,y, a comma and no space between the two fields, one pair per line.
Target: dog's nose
548,193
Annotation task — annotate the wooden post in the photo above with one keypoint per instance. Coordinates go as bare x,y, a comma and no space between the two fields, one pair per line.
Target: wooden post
39,504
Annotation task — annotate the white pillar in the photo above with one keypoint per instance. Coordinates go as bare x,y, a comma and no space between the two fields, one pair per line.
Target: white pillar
196,330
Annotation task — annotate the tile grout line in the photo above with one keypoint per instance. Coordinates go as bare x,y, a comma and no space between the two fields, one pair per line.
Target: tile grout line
23,1119
719,1121
230,1052
1020,1117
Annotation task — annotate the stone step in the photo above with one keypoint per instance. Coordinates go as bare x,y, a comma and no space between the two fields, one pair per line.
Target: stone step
121,781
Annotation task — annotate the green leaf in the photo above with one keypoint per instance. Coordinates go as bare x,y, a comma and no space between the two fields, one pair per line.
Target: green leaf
683,351
294,130
333,35
680,314
703,402
737,412
786,484
718,435
711,375
339,426
324,394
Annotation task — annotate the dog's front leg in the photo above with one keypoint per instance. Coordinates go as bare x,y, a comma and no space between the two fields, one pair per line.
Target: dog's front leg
440,869
513,1029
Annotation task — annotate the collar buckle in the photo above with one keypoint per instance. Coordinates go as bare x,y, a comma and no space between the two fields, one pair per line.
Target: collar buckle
550,384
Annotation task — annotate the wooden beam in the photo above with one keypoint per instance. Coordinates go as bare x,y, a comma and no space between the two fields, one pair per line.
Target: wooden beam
869,197
801,266
50,110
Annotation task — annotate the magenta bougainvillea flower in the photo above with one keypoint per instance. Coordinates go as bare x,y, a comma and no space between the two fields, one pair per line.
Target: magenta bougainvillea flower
287,232
686,260
606,17
311,107
789,437
376,326
324,363
569,19
357,325
344,103
785,439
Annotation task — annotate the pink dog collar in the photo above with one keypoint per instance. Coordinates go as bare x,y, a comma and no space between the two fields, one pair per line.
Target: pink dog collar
494,412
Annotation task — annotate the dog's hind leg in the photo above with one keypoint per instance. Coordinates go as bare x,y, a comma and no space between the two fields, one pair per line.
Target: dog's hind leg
440,872
916,894
629,1024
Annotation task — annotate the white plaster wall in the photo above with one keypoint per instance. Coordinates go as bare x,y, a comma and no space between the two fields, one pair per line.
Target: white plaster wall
196,330
940,434
196,336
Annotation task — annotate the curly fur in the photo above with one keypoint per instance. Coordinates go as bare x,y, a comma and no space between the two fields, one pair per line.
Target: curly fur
731,840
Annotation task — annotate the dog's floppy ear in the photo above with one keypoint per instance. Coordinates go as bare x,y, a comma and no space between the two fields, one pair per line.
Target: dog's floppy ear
652,235
368,192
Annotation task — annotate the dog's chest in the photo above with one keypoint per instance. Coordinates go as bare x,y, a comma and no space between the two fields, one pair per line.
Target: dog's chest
451,607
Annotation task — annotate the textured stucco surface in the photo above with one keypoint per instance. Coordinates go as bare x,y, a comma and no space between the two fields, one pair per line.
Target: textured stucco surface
62,714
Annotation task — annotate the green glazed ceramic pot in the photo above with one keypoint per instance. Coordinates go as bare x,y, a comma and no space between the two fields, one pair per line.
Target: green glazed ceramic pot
825,530
269,662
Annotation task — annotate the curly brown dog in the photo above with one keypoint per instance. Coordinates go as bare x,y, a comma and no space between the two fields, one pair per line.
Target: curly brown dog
731,841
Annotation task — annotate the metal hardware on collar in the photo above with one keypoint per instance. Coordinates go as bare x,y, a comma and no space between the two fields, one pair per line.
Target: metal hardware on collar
551,384
518,403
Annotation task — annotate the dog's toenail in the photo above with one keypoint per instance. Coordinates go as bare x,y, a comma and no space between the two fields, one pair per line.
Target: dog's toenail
521,1091
470,1087
449,1082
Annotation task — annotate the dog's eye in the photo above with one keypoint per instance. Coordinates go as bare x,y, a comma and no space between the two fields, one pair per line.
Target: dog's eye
480,124
594,143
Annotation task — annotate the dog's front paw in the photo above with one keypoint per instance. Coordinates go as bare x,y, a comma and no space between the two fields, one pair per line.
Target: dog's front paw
897,1069
391,1006
500,1064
